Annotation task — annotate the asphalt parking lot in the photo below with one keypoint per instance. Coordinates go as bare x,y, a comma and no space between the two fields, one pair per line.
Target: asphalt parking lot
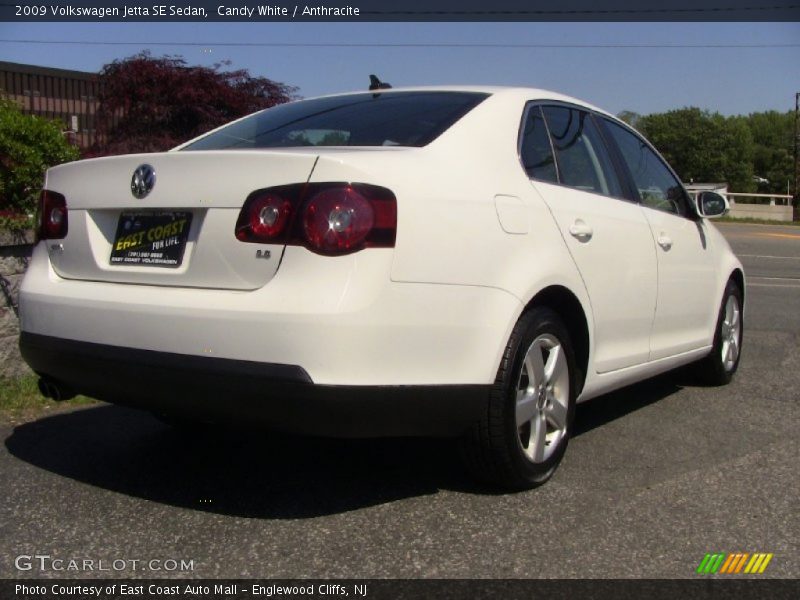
657,476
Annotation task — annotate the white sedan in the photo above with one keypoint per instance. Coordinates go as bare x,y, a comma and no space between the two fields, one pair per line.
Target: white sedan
467,262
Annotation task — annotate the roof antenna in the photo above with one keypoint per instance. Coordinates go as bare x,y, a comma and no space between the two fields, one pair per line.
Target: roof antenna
377,84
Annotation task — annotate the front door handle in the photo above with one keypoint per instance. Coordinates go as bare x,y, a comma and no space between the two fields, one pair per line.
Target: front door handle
664,241
581,231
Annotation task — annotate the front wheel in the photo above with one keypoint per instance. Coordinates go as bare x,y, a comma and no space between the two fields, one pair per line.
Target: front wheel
522,439
723,361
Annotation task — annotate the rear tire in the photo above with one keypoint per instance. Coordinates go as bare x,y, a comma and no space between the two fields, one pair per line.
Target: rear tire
720,365
521,440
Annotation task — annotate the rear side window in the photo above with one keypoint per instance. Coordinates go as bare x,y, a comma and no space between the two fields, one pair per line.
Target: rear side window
535,151
656,185
581,155
370,119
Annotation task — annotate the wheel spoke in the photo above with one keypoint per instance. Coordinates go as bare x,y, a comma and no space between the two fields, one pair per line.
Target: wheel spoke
526,406
556,363
538,438
557,414
534,365
733,348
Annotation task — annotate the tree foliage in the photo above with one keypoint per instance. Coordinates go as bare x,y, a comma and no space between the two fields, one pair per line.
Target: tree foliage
29,145
149,104
703,146
773,150
707,147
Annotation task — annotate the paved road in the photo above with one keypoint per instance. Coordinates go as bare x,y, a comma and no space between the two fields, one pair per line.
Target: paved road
658,475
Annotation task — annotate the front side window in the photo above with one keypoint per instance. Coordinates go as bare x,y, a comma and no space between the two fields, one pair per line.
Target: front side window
581,155
658,188
370,119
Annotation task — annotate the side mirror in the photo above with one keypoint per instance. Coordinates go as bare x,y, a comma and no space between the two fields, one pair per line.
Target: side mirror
711,205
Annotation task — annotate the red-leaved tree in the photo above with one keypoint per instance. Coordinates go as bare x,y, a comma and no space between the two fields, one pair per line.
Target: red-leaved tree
149,104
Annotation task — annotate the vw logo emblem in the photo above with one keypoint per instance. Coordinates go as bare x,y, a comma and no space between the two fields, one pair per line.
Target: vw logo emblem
143,180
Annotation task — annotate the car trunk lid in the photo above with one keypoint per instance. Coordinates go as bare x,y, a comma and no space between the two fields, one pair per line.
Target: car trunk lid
181,233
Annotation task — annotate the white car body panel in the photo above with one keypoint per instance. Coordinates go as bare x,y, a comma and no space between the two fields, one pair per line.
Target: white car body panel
687,265
192,179
601,383
618,256
477,241
213,257
342,320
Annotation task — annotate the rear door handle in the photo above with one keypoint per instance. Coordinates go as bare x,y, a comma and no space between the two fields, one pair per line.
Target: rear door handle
581,231
664,241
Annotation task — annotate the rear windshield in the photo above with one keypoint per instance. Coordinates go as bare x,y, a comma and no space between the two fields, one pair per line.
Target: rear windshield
371,119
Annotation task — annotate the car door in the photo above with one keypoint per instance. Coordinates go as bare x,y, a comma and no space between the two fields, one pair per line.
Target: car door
608,237
686,307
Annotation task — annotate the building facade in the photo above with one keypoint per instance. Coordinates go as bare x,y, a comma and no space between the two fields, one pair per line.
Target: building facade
58,94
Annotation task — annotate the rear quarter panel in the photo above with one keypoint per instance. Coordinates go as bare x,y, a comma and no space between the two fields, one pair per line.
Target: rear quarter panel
448,227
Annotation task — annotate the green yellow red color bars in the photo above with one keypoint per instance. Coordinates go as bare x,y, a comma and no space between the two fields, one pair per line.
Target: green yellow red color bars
734,563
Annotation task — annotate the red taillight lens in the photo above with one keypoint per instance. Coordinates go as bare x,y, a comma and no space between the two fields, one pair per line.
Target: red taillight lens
337,220
53,223
263,218
326,218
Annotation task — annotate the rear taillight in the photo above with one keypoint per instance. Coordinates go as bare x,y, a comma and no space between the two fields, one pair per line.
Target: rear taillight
268,216
52,216
337,220
327,218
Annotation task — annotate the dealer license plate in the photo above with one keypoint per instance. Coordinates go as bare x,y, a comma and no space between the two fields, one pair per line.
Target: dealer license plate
152,239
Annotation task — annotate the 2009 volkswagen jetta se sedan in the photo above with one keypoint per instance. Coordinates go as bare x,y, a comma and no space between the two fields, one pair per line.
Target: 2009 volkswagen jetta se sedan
465,262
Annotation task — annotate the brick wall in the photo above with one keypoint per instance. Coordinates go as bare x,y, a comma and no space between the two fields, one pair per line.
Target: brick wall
15,251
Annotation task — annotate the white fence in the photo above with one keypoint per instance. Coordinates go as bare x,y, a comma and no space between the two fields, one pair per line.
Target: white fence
772,207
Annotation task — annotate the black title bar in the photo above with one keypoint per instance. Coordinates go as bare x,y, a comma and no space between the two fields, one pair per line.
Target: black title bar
399,10
700,588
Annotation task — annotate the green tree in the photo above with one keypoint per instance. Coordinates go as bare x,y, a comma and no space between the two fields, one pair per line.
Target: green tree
29,145
704,146
773,150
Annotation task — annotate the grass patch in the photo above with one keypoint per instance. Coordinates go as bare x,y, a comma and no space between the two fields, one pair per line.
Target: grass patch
21,397
751,221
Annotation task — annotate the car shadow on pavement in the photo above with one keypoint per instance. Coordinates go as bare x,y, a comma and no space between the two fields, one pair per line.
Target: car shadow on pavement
263,474
229,471
610,407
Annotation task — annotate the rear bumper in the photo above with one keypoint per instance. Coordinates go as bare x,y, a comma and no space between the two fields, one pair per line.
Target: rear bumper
272,395
340,318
